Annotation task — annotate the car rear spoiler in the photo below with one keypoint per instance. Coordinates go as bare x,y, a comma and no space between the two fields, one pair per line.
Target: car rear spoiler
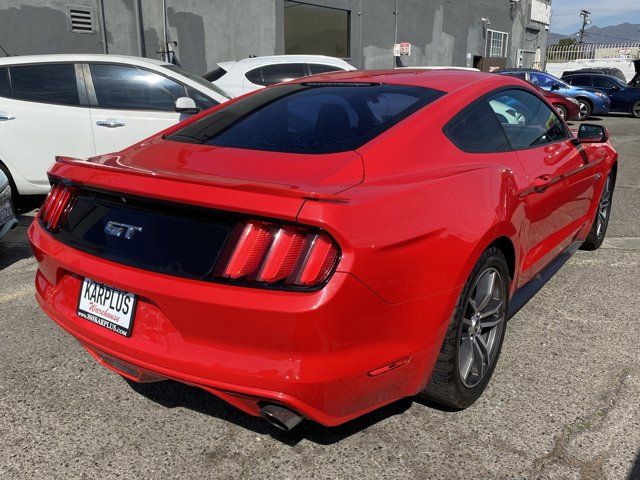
206,180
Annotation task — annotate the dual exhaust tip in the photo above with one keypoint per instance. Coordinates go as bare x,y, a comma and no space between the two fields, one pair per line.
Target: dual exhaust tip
280,417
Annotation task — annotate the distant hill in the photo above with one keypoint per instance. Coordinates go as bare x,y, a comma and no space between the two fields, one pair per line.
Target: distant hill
623,33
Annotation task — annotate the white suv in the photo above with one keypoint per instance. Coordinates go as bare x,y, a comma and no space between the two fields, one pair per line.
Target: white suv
85,105
249,74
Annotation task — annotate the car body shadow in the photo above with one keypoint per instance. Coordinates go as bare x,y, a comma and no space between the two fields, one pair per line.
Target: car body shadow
635,470
15,245
172,394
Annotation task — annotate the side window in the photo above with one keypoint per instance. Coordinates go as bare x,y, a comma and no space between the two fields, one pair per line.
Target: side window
255,76
602,82
130,88
320,68
476,130
51,83
580,80
276,73
202,101
541,79
5,88
527,120
520,75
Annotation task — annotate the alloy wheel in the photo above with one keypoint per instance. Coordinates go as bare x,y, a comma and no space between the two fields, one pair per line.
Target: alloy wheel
482,324
636,109
604,208
584,111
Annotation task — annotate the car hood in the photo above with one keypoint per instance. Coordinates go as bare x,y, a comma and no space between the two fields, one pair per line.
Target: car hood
287,173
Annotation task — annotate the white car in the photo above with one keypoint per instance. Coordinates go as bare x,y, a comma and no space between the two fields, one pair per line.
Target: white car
85,105
249,74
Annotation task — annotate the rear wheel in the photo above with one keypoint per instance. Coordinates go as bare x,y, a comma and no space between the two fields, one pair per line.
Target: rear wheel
561,111
474,338
601,222
635,109
585,109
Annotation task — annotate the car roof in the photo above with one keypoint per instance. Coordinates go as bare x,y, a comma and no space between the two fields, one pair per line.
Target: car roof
267,60
63,58
446,80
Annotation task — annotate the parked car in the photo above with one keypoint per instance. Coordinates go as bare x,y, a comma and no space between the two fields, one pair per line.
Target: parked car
7,218
614,72
635,81
624,98
277,252
249,74
591,101
567,107
83,105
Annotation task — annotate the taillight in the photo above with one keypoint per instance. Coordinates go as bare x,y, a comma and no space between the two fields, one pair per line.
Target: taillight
56,206
267,253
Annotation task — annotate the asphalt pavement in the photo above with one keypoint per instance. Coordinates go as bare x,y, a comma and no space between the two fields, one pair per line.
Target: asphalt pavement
564,402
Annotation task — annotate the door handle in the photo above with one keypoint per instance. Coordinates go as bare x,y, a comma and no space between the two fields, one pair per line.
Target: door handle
541,182
109,123
5,117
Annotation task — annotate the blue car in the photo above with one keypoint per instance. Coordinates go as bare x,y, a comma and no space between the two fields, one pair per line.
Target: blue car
591,101
624,98
7,217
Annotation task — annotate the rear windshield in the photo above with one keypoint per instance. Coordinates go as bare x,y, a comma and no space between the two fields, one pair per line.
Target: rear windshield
308,117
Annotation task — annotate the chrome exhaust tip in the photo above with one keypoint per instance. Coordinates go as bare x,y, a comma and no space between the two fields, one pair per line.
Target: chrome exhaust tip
280,417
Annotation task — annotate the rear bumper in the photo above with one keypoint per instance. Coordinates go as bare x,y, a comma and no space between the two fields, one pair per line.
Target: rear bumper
313,352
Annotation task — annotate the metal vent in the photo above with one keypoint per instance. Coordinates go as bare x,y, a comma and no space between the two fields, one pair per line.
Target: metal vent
80,19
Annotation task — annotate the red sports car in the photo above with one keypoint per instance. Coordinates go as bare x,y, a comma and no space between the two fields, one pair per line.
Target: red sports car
324,247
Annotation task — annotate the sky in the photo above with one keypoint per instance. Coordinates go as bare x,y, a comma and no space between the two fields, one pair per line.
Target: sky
565,13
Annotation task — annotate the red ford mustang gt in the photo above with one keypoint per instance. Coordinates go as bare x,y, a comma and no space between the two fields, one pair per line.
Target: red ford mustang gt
324,247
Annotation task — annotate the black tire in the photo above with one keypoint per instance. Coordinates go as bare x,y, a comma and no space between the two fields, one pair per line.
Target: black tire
16,200
635,109
601,221
562,112
447,386
585,108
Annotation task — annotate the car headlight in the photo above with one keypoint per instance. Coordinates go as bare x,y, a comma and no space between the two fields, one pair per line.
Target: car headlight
601,95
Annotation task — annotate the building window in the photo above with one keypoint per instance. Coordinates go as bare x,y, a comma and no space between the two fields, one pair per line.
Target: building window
311,29
496,43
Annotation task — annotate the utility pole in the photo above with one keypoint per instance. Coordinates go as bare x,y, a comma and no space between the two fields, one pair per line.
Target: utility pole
585,21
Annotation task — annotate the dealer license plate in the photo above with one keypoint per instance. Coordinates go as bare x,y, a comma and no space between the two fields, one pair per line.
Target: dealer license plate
107,306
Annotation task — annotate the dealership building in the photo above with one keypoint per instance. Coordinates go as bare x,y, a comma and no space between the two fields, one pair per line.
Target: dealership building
466,33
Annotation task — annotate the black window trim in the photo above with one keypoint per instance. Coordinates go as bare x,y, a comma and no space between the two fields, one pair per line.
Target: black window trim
82,96
484,98
93,99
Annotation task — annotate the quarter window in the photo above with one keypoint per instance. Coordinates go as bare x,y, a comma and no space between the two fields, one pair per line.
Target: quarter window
276,73
130,88
51,83
527,121
319,68
476,130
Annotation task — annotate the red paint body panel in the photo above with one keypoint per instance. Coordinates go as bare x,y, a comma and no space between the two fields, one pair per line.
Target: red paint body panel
411,214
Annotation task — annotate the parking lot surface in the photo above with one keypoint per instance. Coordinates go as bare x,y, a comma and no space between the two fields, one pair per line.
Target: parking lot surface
563,402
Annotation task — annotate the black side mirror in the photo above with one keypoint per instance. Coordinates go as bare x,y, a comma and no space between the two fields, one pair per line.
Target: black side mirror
555,86
589,133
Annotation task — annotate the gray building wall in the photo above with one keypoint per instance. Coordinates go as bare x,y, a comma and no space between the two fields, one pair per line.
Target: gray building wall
442,32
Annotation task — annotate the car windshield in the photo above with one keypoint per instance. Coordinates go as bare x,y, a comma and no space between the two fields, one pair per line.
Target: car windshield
198,79
309,117
618,82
